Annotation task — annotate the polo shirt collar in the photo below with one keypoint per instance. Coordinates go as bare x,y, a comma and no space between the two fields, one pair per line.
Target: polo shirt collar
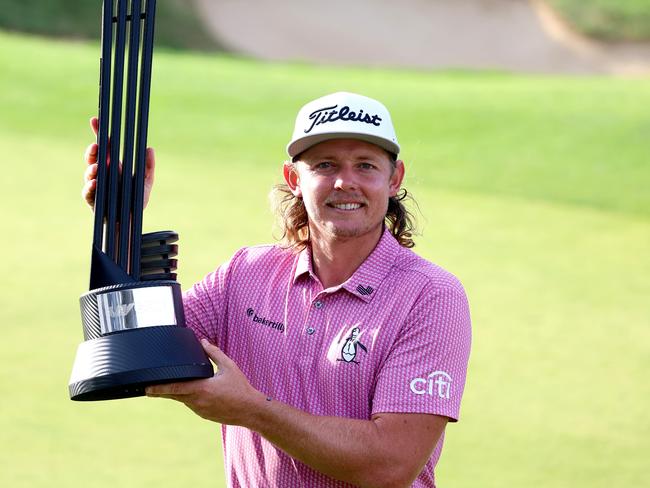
366,279
304,264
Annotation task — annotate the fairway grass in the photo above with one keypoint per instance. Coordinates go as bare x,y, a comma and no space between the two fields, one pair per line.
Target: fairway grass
533,191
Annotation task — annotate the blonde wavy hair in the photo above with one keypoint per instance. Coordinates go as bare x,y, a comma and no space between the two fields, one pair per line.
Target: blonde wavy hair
293,221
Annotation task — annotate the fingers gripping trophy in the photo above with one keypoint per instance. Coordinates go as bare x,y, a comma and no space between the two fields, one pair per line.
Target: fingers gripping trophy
133,321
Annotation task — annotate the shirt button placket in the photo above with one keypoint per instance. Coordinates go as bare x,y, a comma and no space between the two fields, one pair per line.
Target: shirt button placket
318,305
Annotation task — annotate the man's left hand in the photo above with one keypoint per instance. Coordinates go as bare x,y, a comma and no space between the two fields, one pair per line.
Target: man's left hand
388,449
227,397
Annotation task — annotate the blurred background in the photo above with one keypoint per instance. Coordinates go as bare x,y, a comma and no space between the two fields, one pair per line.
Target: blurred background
524,127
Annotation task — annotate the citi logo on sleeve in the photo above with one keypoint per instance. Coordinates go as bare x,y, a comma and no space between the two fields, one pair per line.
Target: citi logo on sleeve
437,384
331,114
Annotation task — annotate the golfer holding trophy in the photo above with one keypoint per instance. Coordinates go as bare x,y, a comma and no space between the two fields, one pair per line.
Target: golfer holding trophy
341,354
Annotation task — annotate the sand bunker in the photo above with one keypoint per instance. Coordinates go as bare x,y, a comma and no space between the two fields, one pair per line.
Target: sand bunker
513,35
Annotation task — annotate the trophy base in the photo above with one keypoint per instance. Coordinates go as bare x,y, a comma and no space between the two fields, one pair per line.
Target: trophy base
121,365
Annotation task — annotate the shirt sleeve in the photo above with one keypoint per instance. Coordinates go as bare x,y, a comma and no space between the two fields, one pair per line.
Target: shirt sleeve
426,368
205,303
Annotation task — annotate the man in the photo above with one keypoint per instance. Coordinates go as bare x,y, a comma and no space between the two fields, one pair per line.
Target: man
341,354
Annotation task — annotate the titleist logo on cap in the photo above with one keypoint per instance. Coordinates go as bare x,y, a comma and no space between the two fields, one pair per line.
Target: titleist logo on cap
330,114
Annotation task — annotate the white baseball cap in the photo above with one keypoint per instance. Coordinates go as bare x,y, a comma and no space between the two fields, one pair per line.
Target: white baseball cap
343,115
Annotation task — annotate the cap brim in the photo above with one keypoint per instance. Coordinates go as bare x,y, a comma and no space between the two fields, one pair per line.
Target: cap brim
296,147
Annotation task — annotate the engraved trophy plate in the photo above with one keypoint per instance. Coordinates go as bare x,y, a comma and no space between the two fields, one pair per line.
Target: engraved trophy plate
136,308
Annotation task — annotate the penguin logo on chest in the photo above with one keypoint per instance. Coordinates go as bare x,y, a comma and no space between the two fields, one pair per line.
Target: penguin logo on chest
351,347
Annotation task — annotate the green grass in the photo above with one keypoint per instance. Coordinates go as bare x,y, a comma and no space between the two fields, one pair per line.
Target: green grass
533,191
613,20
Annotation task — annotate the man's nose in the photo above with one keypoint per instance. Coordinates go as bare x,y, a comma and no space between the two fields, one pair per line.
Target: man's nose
345,180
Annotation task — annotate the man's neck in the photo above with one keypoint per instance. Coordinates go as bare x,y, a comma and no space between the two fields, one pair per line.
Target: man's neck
334,260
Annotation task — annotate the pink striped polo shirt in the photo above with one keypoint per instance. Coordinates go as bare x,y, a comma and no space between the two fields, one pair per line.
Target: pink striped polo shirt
395,337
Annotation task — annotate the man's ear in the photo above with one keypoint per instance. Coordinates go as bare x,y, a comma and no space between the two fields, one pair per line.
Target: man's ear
396,178
292,179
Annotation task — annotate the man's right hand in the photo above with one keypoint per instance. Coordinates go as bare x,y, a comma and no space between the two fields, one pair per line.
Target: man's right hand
90,175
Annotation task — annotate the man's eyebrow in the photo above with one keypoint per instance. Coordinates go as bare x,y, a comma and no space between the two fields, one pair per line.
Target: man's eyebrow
318,158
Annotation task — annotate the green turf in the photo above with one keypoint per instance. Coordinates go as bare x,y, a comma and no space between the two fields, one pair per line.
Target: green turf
533,191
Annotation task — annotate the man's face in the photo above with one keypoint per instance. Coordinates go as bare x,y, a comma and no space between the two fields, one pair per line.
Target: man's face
345,185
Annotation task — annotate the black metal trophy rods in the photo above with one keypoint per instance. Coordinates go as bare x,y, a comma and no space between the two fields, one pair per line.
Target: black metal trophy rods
129,125
102,135
141,148
116,127
119,196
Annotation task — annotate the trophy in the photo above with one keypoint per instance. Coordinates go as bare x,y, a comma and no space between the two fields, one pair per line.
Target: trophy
133,321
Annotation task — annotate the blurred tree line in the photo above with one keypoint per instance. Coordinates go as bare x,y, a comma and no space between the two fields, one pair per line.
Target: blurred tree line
177,22
609,20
